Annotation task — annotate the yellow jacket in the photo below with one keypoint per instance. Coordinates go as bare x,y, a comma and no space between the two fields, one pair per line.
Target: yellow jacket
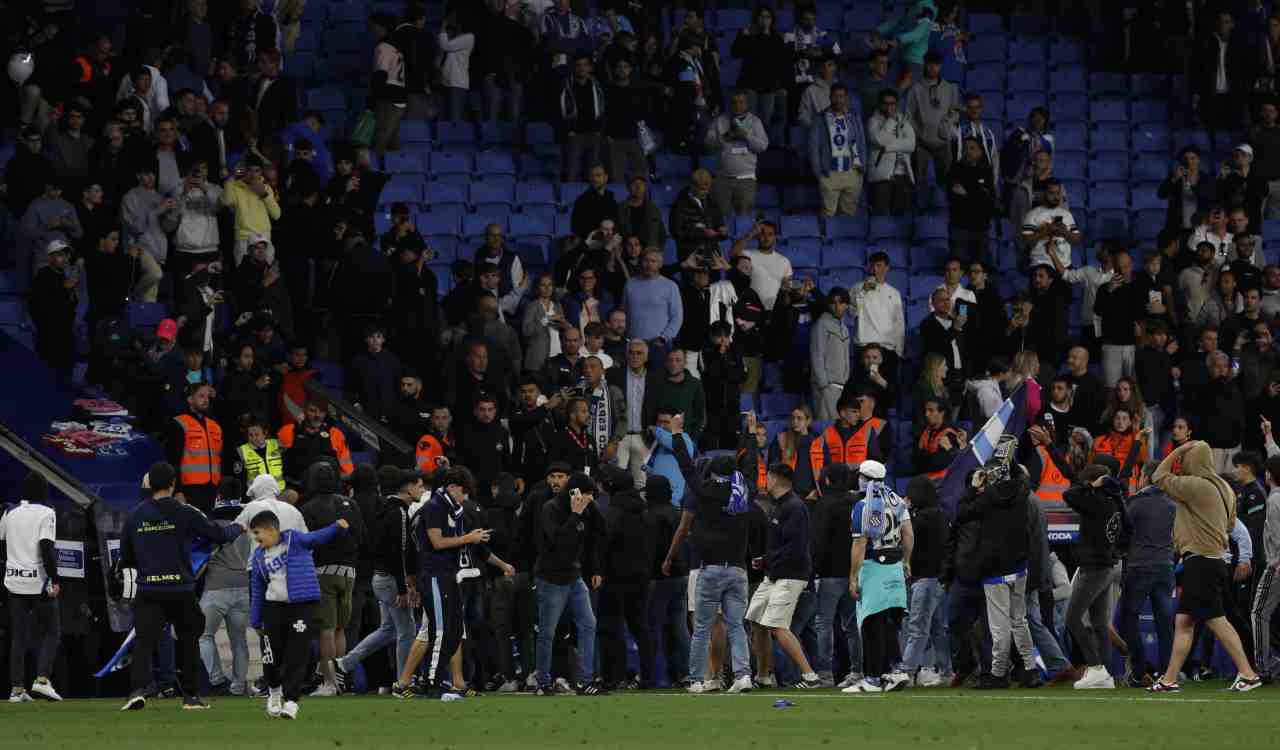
254,214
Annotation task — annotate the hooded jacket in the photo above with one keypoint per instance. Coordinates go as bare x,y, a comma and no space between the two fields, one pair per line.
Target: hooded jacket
630,548
1206,503
1002,545
929,524
1101,512
663,519
324,507
568,543
502,514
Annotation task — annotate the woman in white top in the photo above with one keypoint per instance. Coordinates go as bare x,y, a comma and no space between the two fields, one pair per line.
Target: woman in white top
454,62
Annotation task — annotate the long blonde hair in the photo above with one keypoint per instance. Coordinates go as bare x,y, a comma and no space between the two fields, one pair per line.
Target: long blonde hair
931,373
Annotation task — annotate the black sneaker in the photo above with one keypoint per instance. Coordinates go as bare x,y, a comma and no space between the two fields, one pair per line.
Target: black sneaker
169,692
804,684
467,692
992,682
1160,686
1244,685
1030,679
194,703
591,688
1139,681
495,682
401,691
137,701
340,676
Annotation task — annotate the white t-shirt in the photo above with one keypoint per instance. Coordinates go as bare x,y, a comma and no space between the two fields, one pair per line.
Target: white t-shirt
767,272
22,530
1040,251
290,517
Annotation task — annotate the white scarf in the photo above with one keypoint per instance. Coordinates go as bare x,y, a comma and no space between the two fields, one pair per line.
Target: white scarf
601,418
844,151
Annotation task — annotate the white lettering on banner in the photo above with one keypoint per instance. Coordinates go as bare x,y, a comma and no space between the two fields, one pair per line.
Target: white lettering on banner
70,558
113,548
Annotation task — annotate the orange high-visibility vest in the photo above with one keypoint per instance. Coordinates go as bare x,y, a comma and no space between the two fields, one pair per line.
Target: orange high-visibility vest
1119,446
816,459
201,452
929,444
429,451
853,451
337,443
1052,481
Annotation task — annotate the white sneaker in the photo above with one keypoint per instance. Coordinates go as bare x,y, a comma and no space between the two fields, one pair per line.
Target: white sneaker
531,682
44,689
289,710
275,701
741,685
696,688
510,686
766,682
927,677
1095,678
851,679
563,686
895,681
713,685
863,686
20,696
325,691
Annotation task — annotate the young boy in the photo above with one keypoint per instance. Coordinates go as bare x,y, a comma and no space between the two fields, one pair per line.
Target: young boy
283,588
1268,593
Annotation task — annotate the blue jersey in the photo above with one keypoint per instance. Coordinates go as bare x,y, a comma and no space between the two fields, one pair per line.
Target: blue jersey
440,512
895,514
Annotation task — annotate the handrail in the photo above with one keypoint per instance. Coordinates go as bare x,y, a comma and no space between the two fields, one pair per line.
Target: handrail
58,477
374,434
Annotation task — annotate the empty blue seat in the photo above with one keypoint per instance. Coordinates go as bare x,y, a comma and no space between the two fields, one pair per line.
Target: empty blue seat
1025,78
455,133
446,194
730,68
1024,50
1152,139
401,189
786,21
844,253
141,314
475,225
920,287
1066,50
1109,138
1109,166
897,252
1144,112
1070,136
1109,110
804,253
536,133
1149,85
1070,107
537,167
794,227
930,258
664,195
863,17
778,405
497,133
1148,169
440,221
1147,225
450,162
767,196
1069,165
848,278
494,163
1197,138
1018,107
532,223
732,19
847,227
889,228
739,226
799,198
415,131
1109,196
984,23
1069,79
326,98
674,165
931,227
563,226
1145,198
987,48
569,192
985,77
490,194
1109,84
405,162
1107,225
535,194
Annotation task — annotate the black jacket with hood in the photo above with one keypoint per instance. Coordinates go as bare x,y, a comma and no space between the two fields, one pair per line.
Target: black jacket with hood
503,516
663,519
569,543
1003,546
930,527
831,536
1102,518
325,505
629,551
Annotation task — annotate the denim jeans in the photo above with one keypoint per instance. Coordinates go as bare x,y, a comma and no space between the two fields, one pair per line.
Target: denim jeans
552,600
720,587
230,606
396,627
668,613
834,603
1045,640
1156,582
927,625
966,605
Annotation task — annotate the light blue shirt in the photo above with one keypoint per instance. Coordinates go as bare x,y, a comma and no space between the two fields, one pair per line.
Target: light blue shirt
663,462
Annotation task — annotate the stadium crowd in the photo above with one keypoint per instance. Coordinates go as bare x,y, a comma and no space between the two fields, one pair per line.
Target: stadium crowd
655,428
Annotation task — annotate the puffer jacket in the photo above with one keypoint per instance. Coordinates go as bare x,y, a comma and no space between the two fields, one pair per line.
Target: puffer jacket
302,585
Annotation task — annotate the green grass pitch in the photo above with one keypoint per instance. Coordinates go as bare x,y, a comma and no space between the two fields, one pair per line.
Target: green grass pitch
1202,716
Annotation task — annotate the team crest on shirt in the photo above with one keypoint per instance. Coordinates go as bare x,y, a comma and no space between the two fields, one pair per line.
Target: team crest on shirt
324,433
300,626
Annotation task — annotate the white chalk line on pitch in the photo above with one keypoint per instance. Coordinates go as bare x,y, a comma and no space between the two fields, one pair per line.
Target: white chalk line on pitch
800,695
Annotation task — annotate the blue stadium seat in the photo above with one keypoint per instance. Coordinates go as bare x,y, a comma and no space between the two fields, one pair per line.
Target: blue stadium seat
847,227
533,222
489,195
401,189
563,227
899,258
786,21
1109,84
732,19
793,227
1018,107
1109,110
405,162
1152,138
984,23
446,247
799,198
863,17
1108,225
664,195
1145,198
535,167
920,287
569,192
676,166
1144,112
930,258
415,131
1070,108
829,17
1025,78
450,162
536,133
767,196
502,133
845,253
1029,24
1066,50
1109,138
848,278
1025,50
1148,85
987,48
475,225
1069,165
1069,79
915,315
985,77
493,163
145,315
889,228
740,225
1071,136
455,133
730,68
440,194
804,253
1149,169
326,98
535,194
1147,225
442,221
1109,166
1197,138
931,227
1109,196
778,405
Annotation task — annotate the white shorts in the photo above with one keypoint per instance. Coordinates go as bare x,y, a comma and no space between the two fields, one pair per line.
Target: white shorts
774,602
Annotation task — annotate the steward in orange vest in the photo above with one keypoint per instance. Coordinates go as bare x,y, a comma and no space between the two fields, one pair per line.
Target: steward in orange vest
1126,445
858,435
194,447
313,438
789,446
937,445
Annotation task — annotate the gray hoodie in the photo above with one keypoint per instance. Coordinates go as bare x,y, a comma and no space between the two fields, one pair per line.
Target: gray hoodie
738,158
146,221
928,105
829,352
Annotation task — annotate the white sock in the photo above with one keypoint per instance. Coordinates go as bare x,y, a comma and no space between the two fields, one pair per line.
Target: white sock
810,676
278,691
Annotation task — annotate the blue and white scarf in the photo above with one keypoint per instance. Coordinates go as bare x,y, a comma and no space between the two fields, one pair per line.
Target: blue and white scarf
738,492
844,149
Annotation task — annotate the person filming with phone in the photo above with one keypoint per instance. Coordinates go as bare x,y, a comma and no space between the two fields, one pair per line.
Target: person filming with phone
1051,228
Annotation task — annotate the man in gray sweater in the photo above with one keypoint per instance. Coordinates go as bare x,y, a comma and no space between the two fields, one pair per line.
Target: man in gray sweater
1148,572
148,217
226,598
739,137
930,102
829,355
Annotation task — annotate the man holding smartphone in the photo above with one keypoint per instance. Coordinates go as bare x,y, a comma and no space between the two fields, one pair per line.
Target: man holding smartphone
1050,228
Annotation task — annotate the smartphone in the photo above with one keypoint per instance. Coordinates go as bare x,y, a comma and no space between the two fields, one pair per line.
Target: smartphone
962,308
1057,220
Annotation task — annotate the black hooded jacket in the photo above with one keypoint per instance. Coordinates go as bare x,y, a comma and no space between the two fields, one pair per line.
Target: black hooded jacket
325,506
929,524
1102,520
663,519
629,550
1002,544
502,515
719,538
568,543
831,535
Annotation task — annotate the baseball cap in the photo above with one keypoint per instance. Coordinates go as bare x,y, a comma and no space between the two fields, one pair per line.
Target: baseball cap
1244,147
871,469
168,329
258,239
56,246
